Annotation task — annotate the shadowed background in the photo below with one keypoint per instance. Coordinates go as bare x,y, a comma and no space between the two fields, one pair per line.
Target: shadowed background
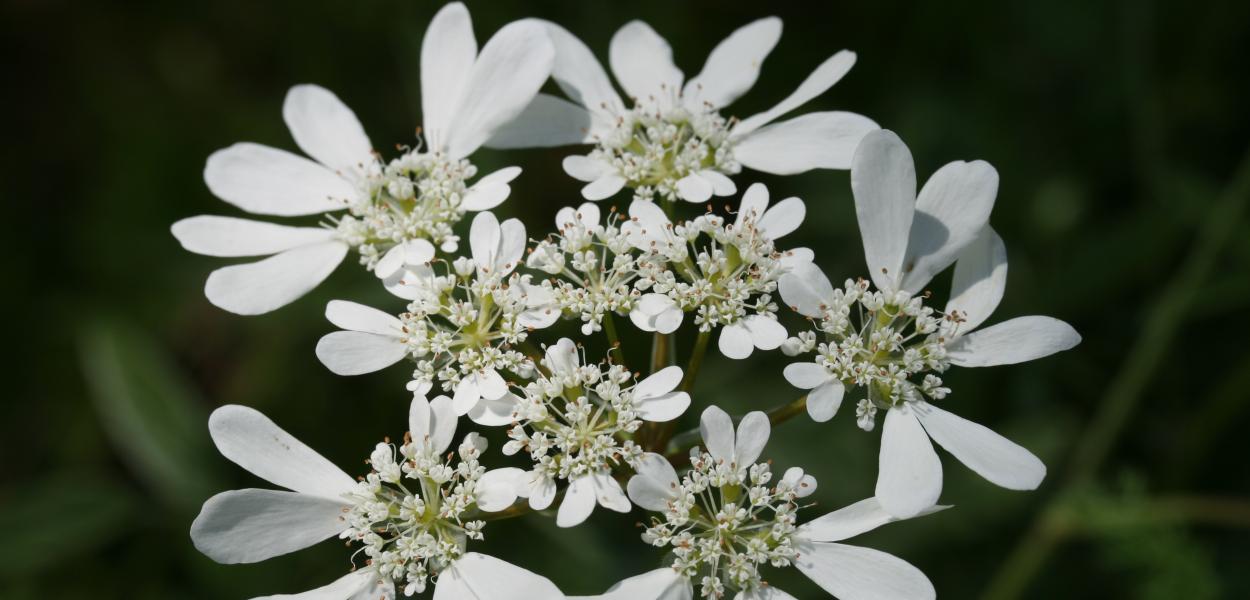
1119,130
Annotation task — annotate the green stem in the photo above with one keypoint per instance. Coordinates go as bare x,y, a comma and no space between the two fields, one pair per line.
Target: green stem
614,342
696,360
1162,324
661,351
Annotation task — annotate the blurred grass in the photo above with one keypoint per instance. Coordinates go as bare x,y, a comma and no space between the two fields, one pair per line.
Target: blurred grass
1114,125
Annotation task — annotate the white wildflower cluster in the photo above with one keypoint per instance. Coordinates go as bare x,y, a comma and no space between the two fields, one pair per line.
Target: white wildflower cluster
462,322
595,266
887,343
659,142
412,515
415,196
576,418
726,522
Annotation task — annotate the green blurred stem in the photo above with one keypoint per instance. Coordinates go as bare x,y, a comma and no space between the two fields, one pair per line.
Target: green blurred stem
614,342
661,351
696,360
688,439
1162,323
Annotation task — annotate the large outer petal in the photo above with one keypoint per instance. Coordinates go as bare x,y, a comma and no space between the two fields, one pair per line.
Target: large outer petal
480,577
269,181
580,75
734,65
909,480
751,437
994,457
358,317
1019,340
660,584
359,352
505,77
252,441
247,526
717,430
545,122
448,51
854,573
883,180
850,521
326,129
823,78
823,140
259,287
230,237
643,62
952,209
980,278
579,502
363,584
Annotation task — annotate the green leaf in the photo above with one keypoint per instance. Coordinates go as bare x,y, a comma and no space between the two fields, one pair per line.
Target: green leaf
51,521
149,412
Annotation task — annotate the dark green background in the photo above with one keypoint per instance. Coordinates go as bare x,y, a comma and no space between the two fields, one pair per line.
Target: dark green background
1117,128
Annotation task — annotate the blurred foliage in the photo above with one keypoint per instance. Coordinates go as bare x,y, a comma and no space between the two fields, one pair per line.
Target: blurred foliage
1115,126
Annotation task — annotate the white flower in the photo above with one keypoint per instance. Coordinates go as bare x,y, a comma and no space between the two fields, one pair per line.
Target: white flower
885,339
452,323
673,142
576,421
246,526
726,518
418,196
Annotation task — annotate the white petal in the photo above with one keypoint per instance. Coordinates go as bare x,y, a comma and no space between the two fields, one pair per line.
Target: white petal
603,187
259,287
806,375
765,592
994,457
643,63
825,140
659,383
247,526
734,65
980,278
847,522
358,317
505,77
693,188
580,75
805,289
804,485
364,582
660,584
717,430
753,206
485,196
796,257
854,573
494,412
609,493
653,487
496,490
325,129
546,122
484,238
479,577
656,312
952,209
584,168
447,55
358,352
229,237
252,441
511,245
420,419
579,502
910,476
663,408
444,423
823,78
735,341
721,184
1019,340
766,332
541,490
268,181
783,218
824,400
752,436
883,180
466,396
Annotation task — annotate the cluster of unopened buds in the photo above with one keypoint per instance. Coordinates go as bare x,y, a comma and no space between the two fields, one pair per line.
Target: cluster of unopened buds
592,428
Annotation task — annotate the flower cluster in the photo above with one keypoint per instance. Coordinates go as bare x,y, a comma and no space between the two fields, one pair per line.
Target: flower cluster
577,420
583,426
409,515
